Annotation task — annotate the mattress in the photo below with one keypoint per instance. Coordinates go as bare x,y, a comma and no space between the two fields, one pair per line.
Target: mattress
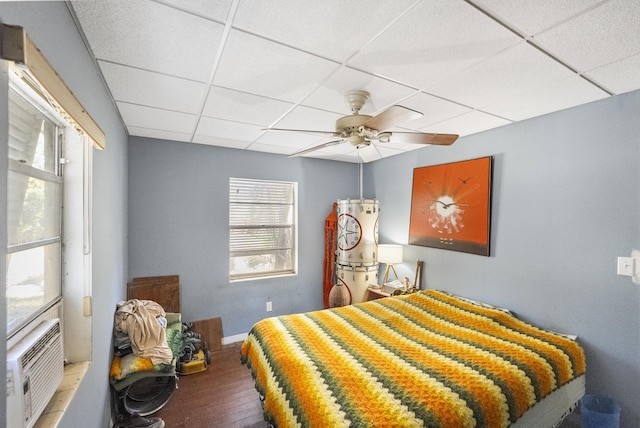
555,407
425,359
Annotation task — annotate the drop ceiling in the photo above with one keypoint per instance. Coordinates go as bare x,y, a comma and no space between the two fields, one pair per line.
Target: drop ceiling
218,72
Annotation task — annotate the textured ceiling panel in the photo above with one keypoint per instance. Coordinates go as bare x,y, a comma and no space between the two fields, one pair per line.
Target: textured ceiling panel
619,77
228,104
603,35
531,17
133,26
434,110
511,72
136,86
218,72
432,42
547,99
213,9
334,29
262,67
158,119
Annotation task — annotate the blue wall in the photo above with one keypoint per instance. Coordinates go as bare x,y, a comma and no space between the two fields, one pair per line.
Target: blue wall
179,219
50,26
566,204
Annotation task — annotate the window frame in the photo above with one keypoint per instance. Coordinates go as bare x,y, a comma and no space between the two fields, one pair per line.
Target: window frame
53,177
282,229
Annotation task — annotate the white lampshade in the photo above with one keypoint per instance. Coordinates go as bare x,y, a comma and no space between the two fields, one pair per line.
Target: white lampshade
389,253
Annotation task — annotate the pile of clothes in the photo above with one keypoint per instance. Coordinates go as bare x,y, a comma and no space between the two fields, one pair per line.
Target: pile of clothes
140,325
146,341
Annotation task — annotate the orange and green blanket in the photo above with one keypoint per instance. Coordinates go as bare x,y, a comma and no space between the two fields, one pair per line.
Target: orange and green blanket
423,359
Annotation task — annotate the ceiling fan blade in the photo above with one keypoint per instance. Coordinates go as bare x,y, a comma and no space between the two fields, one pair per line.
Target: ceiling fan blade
306,131
312,149
391,117
423,138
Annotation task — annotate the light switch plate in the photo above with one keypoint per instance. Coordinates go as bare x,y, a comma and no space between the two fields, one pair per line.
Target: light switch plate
626,266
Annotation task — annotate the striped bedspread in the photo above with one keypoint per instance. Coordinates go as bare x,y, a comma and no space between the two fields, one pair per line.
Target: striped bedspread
424,359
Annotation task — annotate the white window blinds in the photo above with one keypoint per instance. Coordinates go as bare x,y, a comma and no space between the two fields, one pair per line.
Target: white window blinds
262,228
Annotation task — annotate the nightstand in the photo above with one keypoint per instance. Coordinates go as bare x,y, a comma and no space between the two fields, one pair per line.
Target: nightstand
376,293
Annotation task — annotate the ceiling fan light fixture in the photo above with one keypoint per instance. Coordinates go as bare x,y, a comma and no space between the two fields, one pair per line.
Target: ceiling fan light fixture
357,140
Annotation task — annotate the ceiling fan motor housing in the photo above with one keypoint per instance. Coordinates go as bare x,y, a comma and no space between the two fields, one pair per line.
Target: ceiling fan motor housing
351,124
350,127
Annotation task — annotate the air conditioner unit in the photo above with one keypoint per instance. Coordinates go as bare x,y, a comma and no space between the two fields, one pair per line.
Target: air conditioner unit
35,366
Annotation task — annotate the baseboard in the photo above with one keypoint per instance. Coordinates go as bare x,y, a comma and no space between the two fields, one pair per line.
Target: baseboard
233,339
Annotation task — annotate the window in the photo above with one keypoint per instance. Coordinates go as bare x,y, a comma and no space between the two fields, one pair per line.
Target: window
34,213
262,229
48,255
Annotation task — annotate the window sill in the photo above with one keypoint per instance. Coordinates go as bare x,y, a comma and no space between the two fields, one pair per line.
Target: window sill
52,414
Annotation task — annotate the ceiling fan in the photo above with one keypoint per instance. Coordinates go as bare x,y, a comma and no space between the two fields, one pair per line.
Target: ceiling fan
361,130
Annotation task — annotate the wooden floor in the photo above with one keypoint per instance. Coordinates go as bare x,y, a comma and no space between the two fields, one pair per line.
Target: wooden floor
221,396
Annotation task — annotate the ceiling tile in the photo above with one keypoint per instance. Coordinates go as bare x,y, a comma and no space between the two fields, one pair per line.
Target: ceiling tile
214,9
509,73
369,153
533,16
394,149
547,99
258,66
295,141
307,118
136,86
143,34
619,77
158,134
435,40
347,153
153,118
209,128
467,124
334,29
228,104
603,35
258,147
434,110
221,142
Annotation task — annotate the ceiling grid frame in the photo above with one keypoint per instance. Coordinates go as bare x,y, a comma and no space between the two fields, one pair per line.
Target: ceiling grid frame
349,33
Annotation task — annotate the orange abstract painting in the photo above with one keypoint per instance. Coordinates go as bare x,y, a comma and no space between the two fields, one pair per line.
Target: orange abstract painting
451,206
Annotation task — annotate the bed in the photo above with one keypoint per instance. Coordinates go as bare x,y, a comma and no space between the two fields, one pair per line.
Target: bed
424,359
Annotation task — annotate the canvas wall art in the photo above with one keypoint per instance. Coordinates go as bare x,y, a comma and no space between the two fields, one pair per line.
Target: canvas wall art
451,206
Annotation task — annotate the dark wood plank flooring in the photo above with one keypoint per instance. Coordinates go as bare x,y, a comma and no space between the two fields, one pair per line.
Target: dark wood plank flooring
221,396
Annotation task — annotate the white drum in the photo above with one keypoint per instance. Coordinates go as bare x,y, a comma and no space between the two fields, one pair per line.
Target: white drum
357,234
357,280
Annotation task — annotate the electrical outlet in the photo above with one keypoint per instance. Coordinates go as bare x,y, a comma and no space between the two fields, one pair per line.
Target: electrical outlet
269,307
86,306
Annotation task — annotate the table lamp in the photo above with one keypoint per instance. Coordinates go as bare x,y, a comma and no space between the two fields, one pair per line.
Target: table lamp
389,254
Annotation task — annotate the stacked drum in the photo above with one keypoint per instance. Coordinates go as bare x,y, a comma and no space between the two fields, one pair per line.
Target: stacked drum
357,246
